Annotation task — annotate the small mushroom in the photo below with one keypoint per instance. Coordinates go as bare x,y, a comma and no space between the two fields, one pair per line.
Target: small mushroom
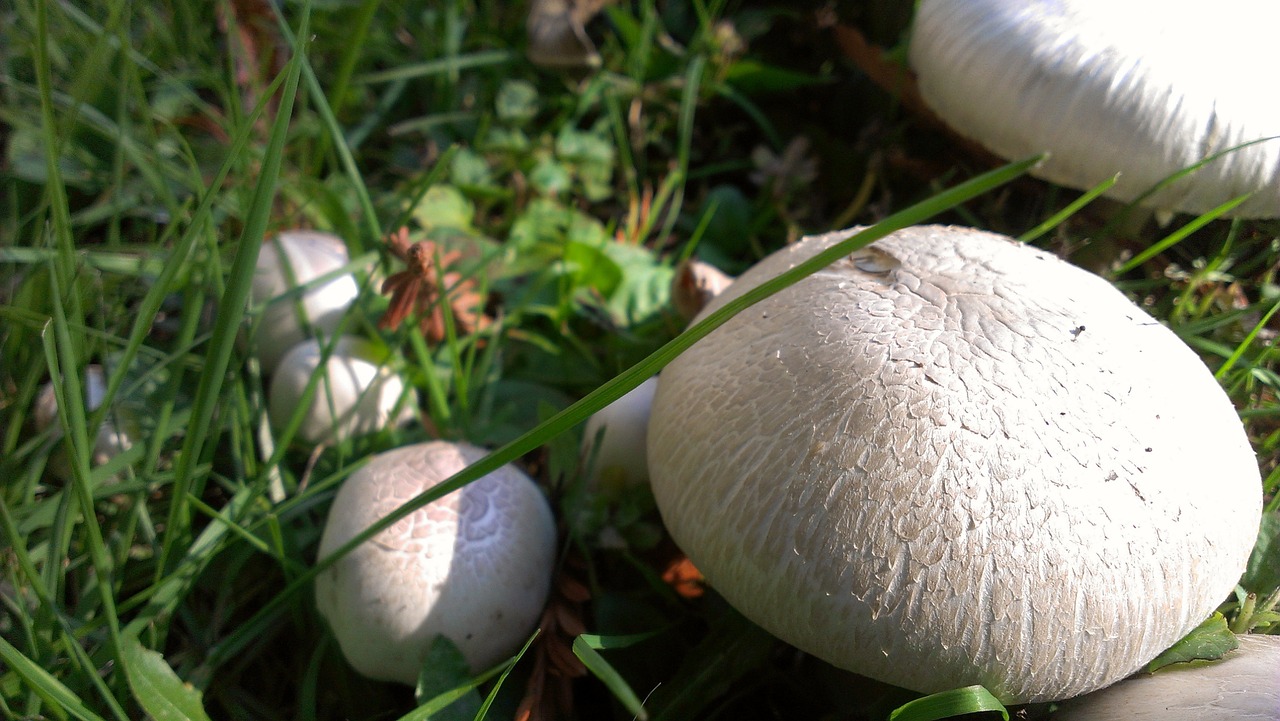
1245,684
952,459
474,566
622,427
111,440
358,395
695,283
292,259
1113,87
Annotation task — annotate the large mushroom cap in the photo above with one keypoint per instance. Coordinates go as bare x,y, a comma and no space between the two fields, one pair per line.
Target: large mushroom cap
474,566
1243,685
291,259
952,459
1113,87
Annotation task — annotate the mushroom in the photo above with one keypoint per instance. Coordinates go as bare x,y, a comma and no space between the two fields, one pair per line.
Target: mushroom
1113,87
695,283
474,566
358,394
295,258
619,460
1245,684
951,459
111,440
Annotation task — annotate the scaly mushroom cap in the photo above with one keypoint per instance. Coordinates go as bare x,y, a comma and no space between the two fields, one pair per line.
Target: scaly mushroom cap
474,566
1113,87
359,395
302,255
1245,684
951,459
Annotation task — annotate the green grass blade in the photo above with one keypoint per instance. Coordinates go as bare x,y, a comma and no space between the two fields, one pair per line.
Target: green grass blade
497,686
1180,174
335,136
444,66
231,308
1072,208
956,702
634,376
43,683
1244,344
1180,234
609,676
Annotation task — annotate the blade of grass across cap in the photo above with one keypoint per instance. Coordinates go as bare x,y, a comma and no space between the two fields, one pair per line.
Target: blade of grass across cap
956,702
231,311
634,376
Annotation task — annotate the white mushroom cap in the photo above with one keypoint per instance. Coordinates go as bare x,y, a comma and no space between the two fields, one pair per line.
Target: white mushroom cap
1113,87
360,396
1245,684
620,460
305,255
110,441
951,459
474,566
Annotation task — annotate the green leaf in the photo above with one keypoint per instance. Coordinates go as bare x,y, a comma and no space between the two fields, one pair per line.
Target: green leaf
645,287
468,169
592,268
1207,642
517,102
1262,575
956,702
445,678
549,177
444,206
156,687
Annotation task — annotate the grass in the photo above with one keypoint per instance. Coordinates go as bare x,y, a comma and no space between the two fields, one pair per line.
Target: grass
150,148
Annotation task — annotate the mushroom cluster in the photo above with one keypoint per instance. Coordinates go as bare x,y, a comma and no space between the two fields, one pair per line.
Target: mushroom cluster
358,393
474,566
1113,87
952,459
